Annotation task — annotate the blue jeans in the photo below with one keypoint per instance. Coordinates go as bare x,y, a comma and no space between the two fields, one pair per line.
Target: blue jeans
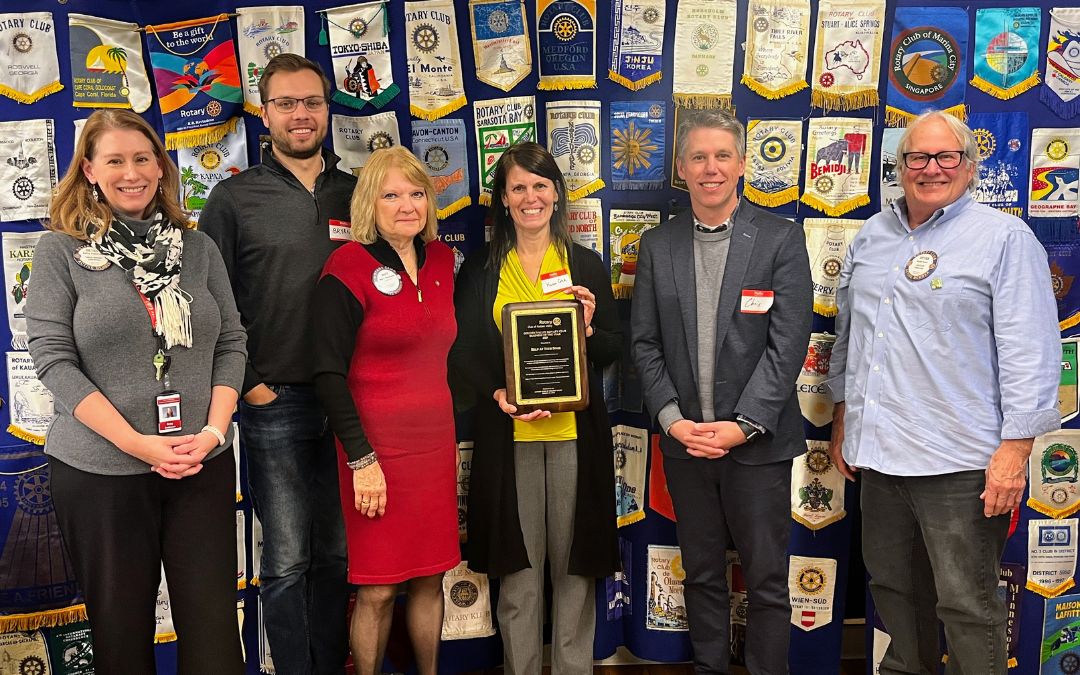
292,472
923,534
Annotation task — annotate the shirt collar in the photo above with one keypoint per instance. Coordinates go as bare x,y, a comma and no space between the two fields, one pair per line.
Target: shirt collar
942,215
702,227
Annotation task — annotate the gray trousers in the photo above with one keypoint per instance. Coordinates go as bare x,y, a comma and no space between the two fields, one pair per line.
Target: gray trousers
546,494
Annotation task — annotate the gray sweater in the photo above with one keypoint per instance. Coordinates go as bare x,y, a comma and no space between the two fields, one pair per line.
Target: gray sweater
89,331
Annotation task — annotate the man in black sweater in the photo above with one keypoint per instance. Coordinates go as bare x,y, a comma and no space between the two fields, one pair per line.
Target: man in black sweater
275,224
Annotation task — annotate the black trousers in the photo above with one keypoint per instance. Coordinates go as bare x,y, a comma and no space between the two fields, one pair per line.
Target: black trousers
119,530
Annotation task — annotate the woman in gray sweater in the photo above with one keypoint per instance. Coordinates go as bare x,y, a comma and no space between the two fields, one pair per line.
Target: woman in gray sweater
133,328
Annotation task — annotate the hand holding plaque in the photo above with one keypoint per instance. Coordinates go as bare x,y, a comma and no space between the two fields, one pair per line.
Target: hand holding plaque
544,355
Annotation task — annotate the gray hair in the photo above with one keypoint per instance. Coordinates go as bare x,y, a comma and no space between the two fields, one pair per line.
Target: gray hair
710,119
960,130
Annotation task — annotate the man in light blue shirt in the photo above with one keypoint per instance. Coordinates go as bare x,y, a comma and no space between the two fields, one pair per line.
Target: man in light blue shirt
945,368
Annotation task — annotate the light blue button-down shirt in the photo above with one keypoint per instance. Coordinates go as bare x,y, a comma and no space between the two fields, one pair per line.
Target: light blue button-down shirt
936,372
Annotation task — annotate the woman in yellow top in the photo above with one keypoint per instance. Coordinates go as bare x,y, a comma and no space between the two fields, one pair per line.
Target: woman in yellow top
542,484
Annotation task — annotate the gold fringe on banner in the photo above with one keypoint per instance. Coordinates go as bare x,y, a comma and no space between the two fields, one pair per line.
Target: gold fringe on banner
825,310
485,199
254,581
25,435
239,497
622,291
570,82
585,190
630,518
1010,92
241,584
835,210
829,101
895,117
1066,324
771,198
1013,662
817,526
32,97
252,109
193,138
85,104
48,619
164,637
634,85
1053,592
436,113
772,94
454,208
1050,511
704,101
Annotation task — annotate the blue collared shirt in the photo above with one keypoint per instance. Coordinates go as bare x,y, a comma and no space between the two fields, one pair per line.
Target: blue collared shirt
936,372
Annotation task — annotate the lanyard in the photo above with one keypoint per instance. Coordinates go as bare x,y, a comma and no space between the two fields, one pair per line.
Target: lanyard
161,360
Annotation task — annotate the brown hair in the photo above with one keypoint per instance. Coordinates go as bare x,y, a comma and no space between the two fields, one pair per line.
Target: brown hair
73,209
362,208
290,63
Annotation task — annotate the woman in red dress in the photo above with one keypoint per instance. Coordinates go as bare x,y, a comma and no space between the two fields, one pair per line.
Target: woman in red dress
385,321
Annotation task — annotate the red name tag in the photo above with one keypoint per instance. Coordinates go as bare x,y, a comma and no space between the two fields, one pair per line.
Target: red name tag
340,230
756,302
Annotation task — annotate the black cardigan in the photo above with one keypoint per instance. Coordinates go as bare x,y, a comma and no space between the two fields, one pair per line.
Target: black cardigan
495,544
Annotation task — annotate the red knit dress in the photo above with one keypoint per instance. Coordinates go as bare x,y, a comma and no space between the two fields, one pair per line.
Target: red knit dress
397,378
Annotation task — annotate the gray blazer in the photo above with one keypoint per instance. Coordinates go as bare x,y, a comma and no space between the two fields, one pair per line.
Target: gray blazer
758,356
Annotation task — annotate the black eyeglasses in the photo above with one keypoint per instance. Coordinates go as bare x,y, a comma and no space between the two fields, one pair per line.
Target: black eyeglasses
946,159
287,104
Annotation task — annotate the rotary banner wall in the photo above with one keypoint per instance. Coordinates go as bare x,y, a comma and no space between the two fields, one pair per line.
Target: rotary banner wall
631,448
27,169
927,63
812,585
355,138
1061,84
847,52
838,164
637,145
500,42
573,129
566,43
773,151
360,53
704,53
637,42
1007,50
1002,139
827,241
817,488
777,38
29,69
440,145
1055,175
204,166
1054,469
434,61
500,123
262,34
107,69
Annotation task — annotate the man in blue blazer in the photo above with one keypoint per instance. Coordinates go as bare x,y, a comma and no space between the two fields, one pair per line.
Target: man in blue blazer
721,318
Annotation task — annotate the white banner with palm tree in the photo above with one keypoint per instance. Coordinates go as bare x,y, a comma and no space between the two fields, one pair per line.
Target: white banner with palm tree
107,69
204,166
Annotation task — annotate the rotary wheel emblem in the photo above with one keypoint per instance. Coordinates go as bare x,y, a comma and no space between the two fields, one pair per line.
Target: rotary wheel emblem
1059,496
939,74
985,142
461,517
464,593
827,80
655,111
564,28
273,49
773,148
380,140
620,459
1070,663
761,24
651,15
1057,149
210,159
705,36
213,108
498,21
586,153
23,188
812,580
824,185
817,460
702,70
32,493
436,158
528,111
31,665
358,27
742,610
22,43
1058,284
831,267
425,38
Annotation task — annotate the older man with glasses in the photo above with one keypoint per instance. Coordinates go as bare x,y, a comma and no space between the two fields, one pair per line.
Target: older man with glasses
945,369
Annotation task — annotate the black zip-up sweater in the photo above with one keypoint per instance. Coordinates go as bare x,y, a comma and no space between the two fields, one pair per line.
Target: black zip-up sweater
275,236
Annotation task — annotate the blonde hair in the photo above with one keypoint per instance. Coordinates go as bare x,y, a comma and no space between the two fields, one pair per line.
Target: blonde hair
372,176
73,209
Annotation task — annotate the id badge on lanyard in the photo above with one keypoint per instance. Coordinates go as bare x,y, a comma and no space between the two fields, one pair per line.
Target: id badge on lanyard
167,403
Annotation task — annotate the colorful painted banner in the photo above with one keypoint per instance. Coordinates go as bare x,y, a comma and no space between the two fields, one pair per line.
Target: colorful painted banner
637,42
1006,50
29,68
466,604
637,145
1064,258
440,145
18,250
627,226
1011,585
31,404
355,138
500,42
1059,653
891,190
500,123
1068,392
1003,153
27,169
586,223
1054,470
1051,556
777,43
360,53
838,153
704,53
631,449
665,608
573,129
827,240
204,166
433,59
107,69
812,586
1055,175
815,403
773,153
817,488
71,649
1061,82
927,63
566,39
847,54
262,34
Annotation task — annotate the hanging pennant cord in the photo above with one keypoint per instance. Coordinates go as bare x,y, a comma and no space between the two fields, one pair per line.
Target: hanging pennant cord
355,33
210,36
24,471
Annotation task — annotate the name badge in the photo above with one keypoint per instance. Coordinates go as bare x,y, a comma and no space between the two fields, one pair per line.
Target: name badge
340,230
756,302
90,258
553,282
168,412
920,265
386,280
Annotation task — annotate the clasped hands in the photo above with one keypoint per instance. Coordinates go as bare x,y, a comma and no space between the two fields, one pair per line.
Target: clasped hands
710,440
175,457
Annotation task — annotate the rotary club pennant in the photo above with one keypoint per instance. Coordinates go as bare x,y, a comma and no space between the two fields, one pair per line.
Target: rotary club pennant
198,84
266,32
164,630
360,52
838,164
927,63
27,169
677,181
26,652
440,146
1068,393
107,68
18,250
1051,556
241,552
1064,258
740,606
773,151
1061,83
704,53
574,141
811,584
31,408
464,450
817,488
355,138
891,190
1006,50
1054,468
618,589
566,35
847,54
1055,174
1003,168
659,496
204,166
500,42
827,240
777,41
434,61
627,226
1058,653
665,607
814,401
1012,578
29,69
631,448
500,123
71,648
585,222
637,145
467,604
637,42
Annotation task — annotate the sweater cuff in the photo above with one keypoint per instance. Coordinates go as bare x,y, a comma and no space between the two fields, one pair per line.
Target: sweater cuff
668,415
